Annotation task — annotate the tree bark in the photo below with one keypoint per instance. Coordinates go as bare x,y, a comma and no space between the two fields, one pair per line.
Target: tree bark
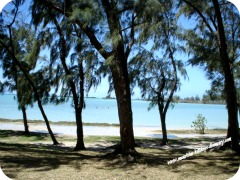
25,122
231,96
164,129
46,121
162,111
121,82
123,96
80,141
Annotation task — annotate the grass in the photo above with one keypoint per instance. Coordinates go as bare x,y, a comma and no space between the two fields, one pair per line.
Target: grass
33,157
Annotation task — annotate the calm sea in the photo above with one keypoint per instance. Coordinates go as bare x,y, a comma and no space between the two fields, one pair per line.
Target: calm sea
105,111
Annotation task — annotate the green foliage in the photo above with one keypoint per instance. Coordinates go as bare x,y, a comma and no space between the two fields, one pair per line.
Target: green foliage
21,39
200,124
202,41
155,68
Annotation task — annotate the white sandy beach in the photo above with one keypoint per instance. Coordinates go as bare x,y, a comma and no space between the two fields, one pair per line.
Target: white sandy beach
99,130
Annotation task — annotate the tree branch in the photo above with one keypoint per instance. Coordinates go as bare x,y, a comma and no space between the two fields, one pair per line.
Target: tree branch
87,30
200,14
130,44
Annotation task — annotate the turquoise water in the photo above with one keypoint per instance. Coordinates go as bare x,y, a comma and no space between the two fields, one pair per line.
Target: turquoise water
105,111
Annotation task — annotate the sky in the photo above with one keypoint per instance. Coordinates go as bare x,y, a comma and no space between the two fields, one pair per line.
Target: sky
197,83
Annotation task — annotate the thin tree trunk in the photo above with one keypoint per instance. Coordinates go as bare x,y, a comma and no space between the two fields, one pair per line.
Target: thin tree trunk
164,129
162,105
46,122
80,141
26,130
162,113
78,116
231,97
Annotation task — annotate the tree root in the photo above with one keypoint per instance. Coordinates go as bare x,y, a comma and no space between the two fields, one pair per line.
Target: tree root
129,155
79,147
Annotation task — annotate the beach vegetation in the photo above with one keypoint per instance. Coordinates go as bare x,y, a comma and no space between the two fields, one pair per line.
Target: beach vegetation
200,124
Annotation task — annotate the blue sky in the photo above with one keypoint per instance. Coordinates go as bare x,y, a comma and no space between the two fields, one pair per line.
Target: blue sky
197,83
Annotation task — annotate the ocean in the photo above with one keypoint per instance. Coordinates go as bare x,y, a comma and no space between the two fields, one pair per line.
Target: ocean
105,111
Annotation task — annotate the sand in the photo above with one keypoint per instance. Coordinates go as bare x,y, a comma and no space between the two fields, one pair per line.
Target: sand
99,130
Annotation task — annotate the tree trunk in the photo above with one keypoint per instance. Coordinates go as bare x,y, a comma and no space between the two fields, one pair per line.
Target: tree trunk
162,112
26,130
80,142
164,129
231,97
47,122
123,96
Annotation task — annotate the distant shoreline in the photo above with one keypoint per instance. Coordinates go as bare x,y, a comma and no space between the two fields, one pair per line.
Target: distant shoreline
184,101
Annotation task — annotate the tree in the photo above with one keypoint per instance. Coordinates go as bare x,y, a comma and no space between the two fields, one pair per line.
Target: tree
206,98
215,47
197,98
85,72
75,76
24,40
11,73
157,82
78,99
200,124
231,96
36,79
158,77
113,23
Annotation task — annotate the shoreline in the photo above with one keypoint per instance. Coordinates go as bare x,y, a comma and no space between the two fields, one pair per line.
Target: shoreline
66,123
73,123
104,129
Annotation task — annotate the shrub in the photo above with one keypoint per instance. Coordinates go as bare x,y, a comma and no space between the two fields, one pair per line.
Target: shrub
200,124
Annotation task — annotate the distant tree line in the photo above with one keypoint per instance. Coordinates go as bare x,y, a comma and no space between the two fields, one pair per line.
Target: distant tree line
207,98
131,43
